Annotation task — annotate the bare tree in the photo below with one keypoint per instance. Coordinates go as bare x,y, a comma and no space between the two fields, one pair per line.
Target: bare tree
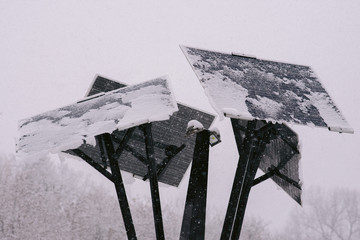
332,215
255,229
42,201
252,229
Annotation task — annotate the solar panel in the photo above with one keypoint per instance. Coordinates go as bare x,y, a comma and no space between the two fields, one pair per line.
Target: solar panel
280,158
68,127
102,84
249,88
172,146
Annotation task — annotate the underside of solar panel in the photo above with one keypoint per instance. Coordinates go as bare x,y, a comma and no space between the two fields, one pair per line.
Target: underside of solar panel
281,157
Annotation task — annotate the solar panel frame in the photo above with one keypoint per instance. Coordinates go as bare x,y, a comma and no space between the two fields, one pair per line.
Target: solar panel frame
167,133
249,88
68,126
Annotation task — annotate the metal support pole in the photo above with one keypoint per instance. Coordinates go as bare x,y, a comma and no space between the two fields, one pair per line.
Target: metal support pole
120,188
193,225
252,166
94,164
259,140
154,188
252,147
244,148
103,157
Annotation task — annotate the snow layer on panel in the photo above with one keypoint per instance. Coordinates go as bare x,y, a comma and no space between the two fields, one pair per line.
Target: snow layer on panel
248,88
68,127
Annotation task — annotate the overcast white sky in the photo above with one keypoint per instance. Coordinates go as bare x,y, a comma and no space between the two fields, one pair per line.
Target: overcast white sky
50,52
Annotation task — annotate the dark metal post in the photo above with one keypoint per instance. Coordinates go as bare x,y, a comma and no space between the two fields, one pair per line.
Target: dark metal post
193,225
244,147
154,188
259,139
252,167
120,188
94,164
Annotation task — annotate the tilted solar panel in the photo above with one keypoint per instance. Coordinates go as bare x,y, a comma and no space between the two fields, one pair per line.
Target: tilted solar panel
69,126
249,88
172,146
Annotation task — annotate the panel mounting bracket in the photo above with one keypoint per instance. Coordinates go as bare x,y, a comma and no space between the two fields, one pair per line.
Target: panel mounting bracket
243,55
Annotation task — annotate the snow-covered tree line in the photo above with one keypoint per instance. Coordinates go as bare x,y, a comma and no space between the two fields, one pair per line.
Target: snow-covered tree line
43,199
326,215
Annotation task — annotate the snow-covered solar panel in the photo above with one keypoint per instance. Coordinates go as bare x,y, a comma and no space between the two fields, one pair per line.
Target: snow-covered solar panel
249,88
169,137
68,127
281,158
